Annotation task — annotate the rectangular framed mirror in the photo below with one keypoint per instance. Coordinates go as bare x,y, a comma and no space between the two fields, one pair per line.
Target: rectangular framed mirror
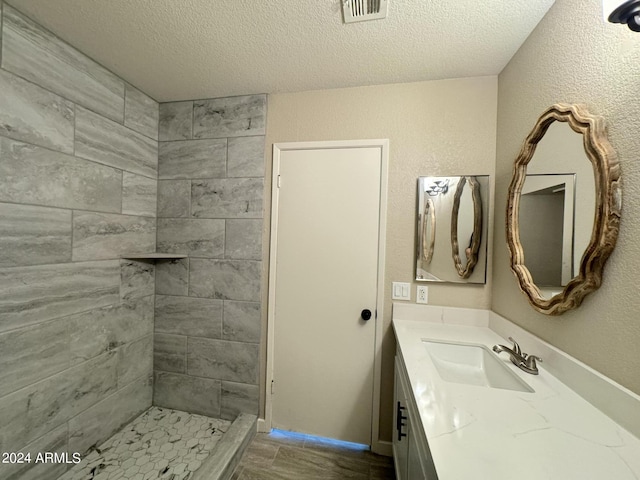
452,225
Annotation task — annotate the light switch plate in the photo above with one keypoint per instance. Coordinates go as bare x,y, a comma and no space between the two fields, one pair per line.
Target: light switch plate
400,291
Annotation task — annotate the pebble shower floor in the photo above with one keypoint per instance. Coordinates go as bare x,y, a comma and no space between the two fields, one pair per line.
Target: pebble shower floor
160,444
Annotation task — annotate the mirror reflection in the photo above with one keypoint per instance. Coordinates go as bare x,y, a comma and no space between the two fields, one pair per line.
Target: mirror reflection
466,226
557,208
546,230
428,230
451,243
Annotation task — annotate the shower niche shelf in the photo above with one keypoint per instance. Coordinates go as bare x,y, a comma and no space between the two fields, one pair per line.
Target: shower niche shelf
153,256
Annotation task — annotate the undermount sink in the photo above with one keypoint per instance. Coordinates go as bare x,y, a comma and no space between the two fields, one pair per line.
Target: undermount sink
472,365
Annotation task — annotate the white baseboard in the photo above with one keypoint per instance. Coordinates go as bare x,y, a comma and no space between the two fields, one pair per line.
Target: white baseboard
382,447
262,426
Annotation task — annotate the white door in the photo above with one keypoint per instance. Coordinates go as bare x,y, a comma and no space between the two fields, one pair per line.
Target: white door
326,252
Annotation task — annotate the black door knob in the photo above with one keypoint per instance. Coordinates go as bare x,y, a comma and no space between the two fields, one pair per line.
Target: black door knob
365,314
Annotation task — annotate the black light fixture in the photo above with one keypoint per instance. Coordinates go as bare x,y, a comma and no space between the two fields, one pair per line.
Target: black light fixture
623,11
438,187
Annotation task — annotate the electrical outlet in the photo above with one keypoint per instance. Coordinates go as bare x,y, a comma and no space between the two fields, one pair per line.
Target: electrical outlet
422,294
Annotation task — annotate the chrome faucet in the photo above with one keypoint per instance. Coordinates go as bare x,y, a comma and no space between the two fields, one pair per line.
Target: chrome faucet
521,360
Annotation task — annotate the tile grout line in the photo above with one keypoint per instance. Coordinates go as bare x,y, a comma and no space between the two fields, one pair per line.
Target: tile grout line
1,28
205,378
70,209
70,365
124,103
64,317
66,99
73,212
178,140
122,193
41,27
75,127
75,49
78,157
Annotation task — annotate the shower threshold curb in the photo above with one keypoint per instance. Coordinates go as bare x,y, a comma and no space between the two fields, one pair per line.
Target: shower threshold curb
221,464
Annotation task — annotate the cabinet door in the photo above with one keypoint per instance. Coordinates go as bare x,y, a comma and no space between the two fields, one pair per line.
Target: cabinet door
415,470
401,430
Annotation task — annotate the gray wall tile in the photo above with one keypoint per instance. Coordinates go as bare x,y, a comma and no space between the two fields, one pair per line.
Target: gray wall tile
223,360
229,117
54,441
195,317
95,332
71,333
35,175
109,143
141,112
33,411
235,207
243,239
246,157
170,353
241,321
32,353
31,295
172,277
192,159
102,420
225,279
135,360
137,279
227,198
35,115
238,398
174,198
197,237
105,235
139,195
34,235
176,121
191,394
34,53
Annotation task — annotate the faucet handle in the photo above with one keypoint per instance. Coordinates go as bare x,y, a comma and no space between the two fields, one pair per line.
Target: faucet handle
530,361
516,347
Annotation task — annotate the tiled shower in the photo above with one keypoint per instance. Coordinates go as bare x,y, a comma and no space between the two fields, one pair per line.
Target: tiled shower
93,174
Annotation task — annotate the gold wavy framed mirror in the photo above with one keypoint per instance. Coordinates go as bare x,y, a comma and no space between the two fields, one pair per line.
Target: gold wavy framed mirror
607,207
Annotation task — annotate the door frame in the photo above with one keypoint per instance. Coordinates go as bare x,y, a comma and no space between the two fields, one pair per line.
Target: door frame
264,425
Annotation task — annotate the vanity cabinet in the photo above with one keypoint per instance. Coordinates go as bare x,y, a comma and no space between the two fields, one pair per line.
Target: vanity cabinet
401,426
410,452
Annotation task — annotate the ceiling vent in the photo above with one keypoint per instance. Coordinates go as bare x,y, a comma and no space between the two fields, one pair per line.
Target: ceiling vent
363,10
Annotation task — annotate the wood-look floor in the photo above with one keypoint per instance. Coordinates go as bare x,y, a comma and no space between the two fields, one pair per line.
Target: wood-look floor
300,457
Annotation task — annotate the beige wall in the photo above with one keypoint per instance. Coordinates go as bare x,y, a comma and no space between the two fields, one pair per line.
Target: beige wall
573,56
448,128
445,127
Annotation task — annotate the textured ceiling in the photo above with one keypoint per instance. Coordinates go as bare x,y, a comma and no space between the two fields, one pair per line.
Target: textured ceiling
189,49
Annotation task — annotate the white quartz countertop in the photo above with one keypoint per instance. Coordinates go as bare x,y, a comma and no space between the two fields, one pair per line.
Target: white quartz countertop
476,432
